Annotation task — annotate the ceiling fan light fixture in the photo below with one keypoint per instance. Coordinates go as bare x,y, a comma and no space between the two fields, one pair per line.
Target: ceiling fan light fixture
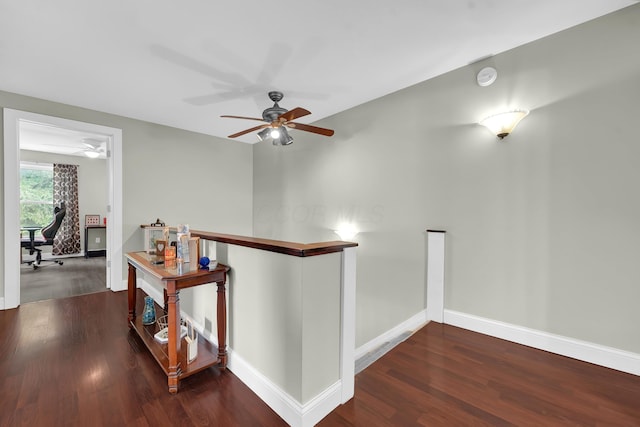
283,139
276,119
264,134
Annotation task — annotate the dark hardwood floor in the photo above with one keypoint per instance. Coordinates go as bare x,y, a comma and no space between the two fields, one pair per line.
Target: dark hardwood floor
74,362
77,276
447,376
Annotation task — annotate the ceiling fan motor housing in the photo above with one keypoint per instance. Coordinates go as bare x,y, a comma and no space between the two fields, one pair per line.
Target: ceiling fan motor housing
276,96
272,113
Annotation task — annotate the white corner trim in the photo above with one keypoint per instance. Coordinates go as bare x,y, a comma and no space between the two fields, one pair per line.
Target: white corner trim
124,285
415,322
582,350
435,275
11,208
348,324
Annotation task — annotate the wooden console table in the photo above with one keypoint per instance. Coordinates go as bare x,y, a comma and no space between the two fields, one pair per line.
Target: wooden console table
172,356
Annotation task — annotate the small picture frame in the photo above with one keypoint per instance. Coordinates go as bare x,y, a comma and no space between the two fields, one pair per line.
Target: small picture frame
161,245
91,220
152,234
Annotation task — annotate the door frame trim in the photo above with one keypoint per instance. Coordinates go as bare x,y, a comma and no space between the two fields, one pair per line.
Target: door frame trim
12,119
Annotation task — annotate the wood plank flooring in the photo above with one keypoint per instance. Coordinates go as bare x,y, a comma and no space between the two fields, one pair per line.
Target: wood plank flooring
447,376
74,362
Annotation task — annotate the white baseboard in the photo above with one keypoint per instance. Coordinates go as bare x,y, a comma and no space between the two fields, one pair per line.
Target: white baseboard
288,408
321,405
307,415
120,286
2,303
582,350
411,324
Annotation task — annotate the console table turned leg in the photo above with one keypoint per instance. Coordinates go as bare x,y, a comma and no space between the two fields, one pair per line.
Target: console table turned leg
222,325
131,290
173,346
166,301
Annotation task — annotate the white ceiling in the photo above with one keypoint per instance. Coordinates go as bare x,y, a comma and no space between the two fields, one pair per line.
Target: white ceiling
50,139
183,64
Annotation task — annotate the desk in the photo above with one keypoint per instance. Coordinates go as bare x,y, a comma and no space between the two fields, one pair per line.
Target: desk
32,235
172,356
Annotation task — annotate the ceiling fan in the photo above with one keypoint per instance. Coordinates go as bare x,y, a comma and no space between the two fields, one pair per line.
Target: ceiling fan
93,148
277,121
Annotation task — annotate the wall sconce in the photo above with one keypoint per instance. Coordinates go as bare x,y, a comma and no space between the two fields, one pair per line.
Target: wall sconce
346,231
502,124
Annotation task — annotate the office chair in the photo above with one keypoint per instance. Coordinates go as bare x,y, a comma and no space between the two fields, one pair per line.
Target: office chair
48,233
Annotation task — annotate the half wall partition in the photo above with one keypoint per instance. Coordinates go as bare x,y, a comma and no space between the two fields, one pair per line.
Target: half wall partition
291,320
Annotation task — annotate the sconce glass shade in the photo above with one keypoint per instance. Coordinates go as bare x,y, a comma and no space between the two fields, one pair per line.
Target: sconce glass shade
502,124
284,138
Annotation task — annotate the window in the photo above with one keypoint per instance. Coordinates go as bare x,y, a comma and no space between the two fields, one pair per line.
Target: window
36,194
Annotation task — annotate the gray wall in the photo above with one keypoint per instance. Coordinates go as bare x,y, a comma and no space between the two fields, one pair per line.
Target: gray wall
542,229
178,176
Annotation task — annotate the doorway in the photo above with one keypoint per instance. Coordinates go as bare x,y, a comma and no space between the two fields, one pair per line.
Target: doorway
13,120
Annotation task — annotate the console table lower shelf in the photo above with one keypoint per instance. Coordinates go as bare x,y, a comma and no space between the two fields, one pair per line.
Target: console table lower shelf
207,353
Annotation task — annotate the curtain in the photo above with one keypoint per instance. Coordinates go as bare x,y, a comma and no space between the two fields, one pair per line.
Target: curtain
65,189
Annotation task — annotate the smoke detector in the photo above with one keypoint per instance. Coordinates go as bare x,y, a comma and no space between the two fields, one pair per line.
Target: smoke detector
486,76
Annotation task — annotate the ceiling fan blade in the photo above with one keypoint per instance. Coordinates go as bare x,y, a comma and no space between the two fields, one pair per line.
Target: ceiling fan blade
242,117
293,114
309,128
249,130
